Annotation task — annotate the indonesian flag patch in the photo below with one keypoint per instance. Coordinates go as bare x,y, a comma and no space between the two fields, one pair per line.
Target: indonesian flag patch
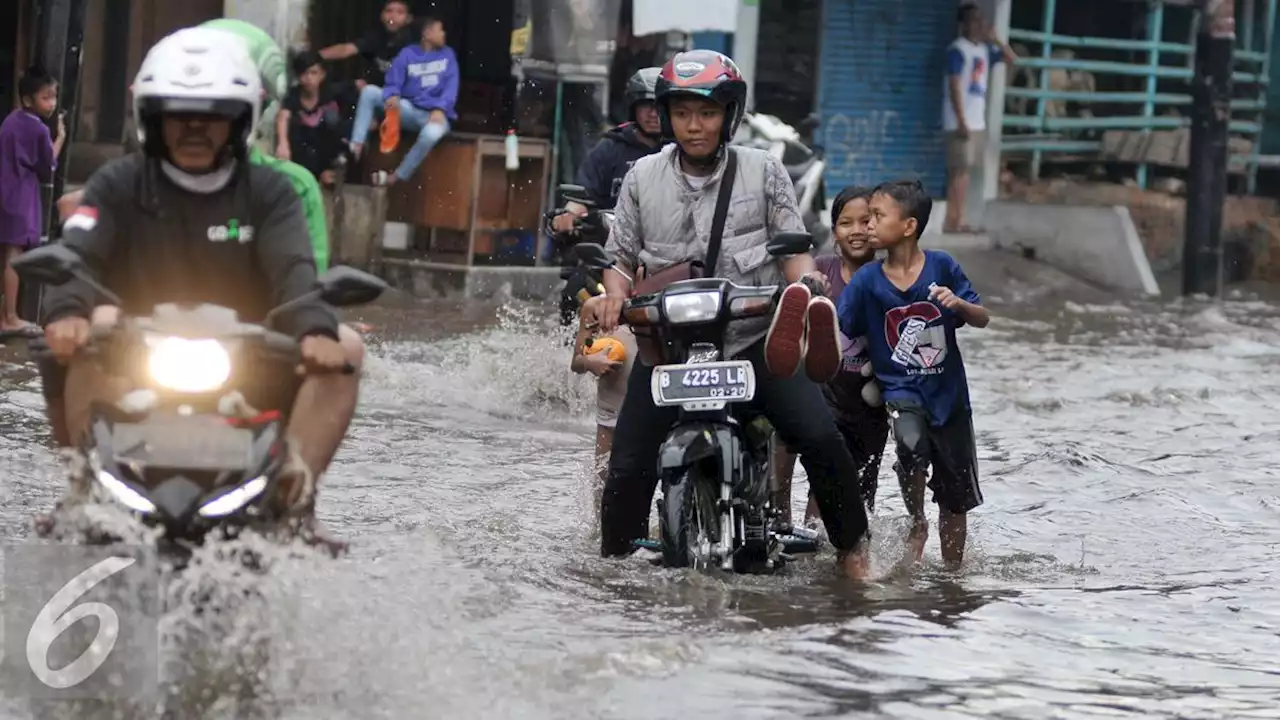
84,218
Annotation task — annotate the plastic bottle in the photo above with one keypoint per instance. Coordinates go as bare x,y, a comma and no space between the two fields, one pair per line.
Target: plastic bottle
513,151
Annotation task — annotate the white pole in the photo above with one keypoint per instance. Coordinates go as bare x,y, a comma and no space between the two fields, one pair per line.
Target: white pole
995,108
744,45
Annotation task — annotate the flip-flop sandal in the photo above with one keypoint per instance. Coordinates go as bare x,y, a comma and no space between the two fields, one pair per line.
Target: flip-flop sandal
28,332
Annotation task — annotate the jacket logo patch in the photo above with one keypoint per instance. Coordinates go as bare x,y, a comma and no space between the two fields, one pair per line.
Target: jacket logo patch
233,231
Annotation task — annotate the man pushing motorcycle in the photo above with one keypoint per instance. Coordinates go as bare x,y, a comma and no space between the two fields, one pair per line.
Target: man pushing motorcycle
665,217
188,219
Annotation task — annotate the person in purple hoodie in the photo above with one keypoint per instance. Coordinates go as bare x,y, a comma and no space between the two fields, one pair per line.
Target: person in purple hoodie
423,81
28,156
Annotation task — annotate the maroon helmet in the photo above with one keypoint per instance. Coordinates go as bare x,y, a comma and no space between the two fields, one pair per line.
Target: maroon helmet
706,74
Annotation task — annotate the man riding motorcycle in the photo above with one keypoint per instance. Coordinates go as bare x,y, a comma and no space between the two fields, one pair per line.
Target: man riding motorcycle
663,218
189,219
602,171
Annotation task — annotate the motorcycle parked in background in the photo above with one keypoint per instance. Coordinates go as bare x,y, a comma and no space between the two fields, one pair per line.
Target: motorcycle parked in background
804,164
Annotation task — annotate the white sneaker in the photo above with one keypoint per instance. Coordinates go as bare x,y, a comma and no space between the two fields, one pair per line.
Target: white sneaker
380,178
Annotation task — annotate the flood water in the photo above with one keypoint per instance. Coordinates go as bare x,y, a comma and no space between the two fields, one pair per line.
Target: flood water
1122,566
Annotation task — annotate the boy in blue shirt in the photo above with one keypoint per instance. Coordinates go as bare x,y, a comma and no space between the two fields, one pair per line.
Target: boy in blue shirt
908,306
423,82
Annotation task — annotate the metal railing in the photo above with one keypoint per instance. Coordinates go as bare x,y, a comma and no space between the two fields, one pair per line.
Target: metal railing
1251,70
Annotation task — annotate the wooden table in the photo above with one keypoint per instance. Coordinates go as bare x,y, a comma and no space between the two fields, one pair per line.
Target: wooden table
465,196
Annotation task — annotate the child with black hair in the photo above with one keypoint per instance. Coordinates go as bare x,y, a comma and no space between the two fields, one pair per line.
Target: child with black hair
852,395
312,127
28,155
909,306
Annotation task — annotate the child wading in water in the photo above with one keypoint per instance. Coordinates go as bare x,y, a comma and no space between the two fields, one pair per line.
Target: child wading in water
909,306
611,383
852,395
28,156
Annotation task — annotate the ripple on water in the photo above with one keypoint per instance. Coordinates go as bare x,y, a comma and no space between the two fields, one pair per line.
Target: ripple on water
1121,567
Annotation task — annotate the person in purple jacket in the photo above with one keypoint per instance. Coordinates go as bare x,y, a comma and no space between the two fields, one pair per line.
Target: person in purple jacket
423,81
28,156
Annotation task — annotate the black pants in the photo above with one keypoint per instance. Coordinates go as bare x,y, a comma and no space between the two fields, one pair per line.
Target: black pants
950,450
798,413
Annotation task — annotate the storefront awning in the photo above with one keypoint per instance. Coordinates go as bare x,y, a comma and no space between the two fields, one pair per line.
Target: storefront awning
659,16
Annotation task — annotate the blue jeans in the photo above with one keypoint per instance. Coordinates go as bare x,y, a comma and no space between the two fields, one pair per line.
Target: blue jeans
412,119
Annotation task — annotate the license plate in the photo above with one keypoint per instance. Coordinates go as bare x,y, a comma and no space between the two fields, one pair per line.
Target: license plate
703,383
188,443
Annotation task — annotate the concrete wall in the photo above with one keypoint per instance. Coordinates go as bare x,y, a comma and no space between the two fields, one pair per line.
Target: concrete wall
1097,244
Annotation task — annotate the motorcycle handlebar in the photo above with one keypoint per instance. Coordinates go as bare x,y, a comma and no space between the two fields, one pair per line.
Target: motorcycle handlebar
284,346
650,304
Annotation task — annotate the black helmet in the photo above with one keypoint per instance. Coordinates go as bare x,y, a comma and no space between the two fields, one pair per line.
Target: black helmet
709,75
642,87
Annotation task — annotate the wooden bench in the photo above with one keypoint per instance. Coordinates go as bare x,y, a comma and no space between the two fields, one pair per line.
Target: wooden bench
465,198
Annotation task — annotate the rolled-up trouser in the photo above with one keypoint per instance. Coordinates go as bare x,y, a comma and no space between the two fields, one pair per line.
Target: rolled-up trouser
799,415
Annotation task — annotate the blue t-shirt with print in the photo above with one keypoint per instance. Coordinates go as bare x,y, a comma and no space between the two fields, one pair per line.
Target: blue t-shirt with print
912,339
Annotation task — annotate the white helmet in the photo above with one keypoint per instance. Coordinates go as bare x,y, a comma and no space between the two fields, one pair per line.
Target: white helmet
199,70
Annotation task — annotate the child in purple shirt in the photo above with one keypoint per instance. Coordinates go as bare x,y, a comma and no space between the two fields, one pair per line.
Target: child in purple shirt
852,395
28,156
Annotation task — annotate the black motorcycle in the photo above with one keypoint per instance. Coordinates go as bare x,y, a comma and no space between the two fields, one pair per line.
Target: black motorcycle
182,449
716,508
581,282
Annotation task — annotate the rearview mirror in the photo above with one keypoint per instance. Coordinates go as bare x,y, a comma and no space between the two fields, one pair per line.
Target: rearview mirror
345,286
48,265
593,256
790,244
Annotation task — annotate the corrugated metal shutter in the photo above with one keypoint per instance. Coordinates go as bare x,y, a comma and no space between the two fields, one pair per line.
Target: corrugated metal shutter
880,90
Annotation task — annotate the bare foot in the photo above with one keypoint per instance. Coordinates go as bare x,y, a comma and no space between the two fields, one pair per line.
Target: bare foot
16,325
916,540
857,564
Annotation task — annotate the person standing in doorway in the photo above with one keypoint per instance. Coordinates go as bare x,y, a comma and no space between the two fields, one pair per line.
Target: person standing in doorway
964,111
28,155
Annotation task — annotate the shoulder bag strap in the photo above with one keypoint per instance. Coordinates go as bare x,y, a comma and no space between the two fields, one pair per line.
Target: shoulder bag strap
722,212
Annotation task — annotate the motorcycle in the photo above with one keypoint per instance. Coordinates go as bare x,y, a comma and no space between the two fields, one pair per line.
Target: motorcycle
182,450
581,282
716,506
804,164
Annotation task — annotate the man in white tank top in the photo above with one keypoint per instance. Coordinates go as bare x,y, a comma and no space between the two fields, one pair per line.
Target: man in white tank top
964,109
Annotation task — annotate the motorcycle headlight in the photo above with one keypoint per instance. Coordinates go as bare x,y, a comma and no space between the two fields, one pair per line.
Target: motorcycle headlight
691,307
125,494
189,366
232,501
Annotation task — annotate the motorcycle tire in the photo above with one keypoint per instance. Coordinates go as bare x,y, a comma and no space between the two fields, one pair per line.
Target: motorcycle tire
687,511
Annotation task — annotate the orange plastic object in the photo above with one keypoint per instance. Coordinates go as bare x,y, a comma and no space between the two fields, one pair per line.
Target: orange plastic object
389,131
611,347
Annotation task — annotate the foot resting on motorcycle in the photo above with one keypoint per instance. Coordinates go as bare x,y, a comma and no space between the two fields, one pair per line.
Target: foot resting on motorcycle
804,329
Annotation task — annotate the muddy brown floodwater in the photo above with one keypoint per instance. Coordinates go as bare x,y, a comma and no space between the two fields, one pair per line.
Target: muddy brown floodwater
1124,564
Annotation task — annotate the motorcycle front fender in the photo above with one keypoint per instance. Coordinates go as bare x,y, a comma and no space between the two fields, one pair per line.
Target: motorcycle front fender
692,443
